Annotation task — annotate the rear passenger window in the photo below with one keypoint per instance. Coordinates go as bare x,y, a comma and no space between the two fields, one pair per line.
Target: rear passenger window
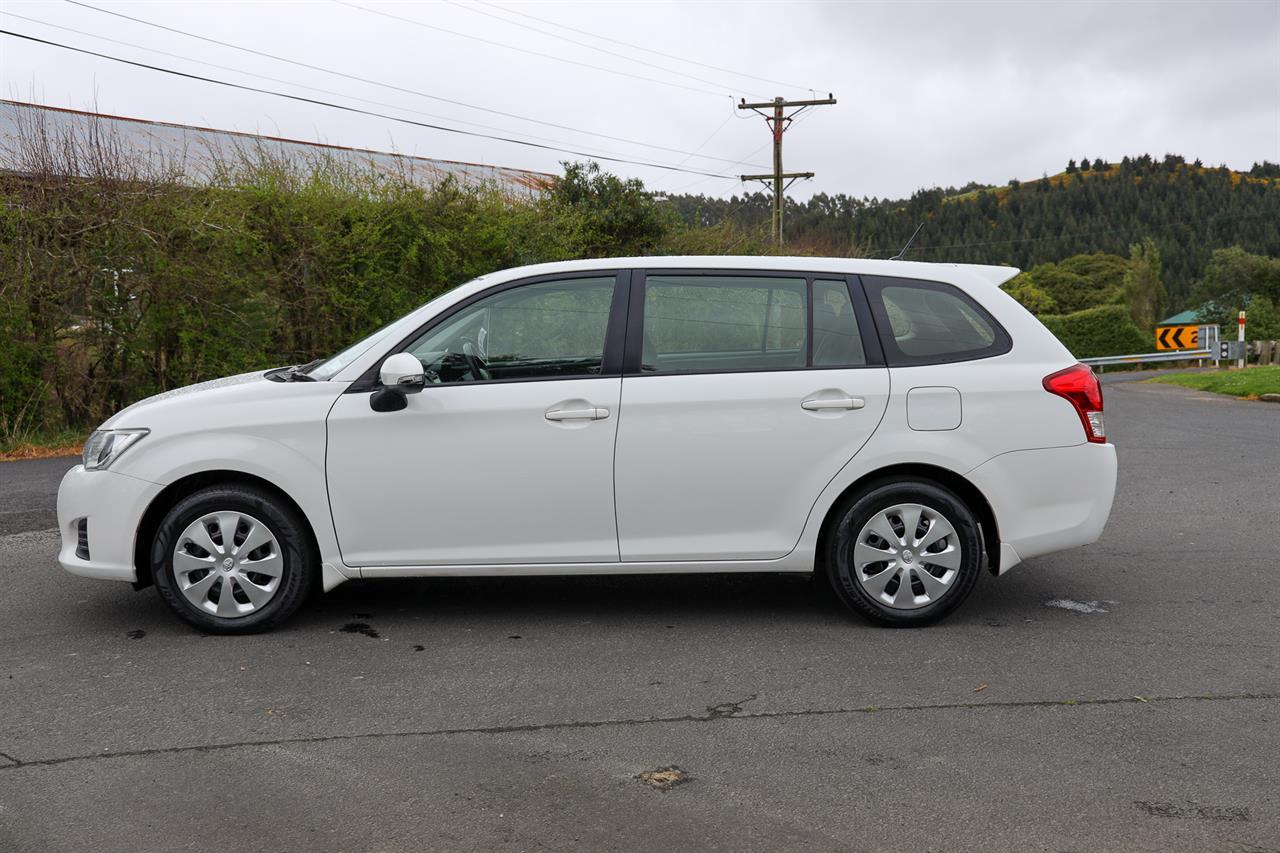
927,322
836,342
714,323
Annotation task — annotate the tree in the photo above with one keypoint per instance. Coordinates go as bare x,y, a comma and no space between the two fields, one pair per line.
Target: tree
1075,284
1033,298
614,216
1084,164
1232,278
1263,320
1235,279
1144,284
1071,167
1098,165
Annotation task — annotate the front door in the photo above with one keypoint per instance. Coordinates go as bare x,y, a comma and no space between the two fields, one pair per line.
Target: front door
745,395
507,455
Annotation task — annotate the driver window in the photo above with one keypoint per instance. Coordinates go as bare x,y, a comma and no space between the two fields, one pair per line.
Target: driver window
550,329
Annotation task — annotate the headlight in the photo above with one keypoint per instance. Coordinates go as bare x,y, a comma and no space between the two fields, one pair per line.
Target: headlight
104,446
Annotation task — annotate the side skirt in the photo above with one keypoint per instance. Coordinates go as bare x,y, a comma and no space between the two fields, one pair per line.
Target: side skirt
790,563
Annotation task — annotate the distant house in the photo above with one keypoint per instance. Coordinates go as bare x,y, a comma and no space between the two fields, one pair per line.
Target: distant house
34,138
1182,318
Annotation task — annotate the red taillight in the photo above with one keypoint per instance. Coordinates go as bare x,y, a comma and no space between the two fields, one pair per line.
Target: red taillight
1080,387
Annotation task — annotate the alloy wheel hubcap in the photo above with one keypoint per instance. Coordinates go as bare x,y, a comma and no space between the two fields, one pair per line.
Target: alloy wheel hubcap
907,556
228,564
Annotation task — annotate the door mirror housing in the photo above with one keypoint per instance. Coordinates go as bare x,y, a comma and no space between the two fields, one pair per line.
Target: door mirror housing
401,374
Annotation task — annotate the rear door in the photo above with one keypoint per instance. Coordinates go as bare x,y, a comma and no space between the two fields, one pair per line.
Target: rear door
744,393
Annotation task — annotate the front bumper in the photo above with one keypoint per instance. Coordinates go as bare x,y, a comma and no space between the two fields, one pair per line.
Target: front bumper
1048,500
111,506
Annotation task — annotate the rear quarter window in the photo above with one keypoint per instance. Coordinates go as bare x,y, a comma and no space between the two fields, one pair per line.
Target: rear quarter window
928,322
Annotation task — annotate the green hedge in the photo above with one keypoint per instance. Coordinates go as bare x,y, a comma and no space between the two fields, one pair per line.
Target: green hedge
114,288
1105,330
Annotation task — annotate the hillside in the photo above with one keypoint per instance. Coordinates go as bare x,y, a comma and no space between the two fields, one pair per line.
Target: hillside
1188,209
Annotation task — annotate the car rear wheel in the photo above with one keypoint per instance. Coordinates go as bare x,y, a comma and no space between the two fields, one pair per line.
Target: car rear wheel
904,553
231,560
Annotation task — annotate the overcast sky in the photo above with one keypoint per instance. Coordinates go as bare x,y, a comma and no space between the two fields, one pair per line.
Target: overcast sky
930,93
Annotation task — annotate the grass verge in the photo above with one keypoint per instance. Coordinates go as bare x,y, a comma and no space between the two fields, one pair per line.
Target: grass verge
41,445
1250,383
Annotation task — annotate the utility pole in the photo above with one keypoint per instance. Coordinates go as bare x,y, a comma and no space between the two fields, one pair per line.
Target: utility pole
778,124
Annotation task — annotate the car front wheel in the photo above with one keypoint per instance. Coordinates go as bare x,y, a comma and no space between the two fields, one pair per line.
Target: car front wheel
231,560
904,553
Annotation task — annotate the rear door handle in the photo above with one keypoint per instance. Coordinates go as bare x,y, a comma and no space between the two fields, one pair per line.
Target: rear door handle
821,403
594,413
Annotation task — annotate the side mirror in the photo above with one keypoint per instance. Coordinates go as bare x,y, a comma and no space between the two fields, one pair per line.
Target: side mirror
401,375
403,372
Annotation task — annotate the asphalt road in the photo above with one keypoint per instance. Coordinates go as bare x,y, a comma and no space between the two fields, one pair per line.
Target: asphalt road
518,713
29,493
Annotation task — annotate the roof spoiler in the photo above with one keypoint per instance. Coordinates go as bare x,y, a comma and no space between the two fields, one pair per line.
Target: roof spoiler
992,274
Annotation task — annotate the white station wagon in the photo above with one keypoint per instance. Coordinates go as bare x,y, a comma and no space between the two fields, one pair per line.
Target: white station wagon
892,425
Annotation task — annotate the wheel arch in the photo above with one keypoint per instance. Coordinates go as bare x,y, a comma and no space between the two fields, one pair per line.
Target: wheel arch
190,484
989,530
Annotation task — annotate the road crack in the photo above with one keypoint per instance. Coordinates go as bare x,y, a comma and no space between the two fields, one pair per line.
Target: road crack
729,709
715,713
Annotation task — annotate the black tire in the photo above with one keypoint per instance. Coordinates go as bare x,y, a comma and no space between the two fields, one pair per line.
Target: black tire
290,532
857,510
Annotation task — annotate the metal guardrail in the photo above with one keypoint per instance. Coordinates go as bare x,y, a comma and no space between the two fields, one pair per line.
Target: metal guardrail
1172,355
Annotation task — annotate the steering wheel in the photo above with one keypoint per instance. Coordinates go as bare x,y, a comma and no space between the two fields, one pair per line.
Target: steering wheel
475,364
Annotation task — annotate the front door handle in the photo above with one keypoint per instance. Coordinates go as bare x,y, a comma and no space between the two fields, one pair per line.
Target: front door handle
817,405
593,413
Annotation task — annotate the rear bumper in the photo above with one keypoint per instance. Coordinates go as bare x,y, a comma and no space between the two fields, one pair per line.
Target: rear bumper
1048,500
111,506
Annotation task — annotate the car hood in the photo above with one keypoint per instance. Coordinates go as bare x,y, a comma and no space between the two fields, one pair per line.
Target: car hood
201,394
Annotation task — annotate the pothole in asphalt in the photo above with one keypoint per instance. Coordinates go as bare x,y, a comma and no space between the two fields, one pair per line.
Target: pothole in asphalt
664,778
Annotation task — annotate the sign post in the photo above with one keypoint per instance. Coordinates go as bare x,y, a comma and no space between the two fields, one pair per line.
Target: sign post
1208,339
1240,338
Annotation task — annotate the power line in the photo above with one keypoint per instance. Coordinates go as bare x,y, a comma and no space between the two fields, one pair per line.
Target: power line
392,86
687,187
713,135
357,110
304,86
646,49
519,49
605,51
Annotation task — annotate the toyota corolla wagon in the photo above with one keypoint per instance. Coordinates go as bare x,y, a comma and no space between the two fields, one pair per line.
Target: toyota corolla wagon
892,426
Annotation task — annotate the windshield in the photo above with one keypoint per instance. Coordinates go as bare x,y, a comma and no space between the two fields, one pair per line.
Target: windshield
328,368
331,366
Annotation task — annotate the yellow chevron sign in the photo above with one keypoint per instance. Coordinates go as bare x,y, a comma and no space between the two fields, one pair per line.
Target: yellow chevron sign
1177,337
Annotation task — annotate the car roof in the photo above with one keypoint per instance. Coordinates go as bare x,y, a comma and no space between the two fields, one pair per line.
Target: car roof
994,275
